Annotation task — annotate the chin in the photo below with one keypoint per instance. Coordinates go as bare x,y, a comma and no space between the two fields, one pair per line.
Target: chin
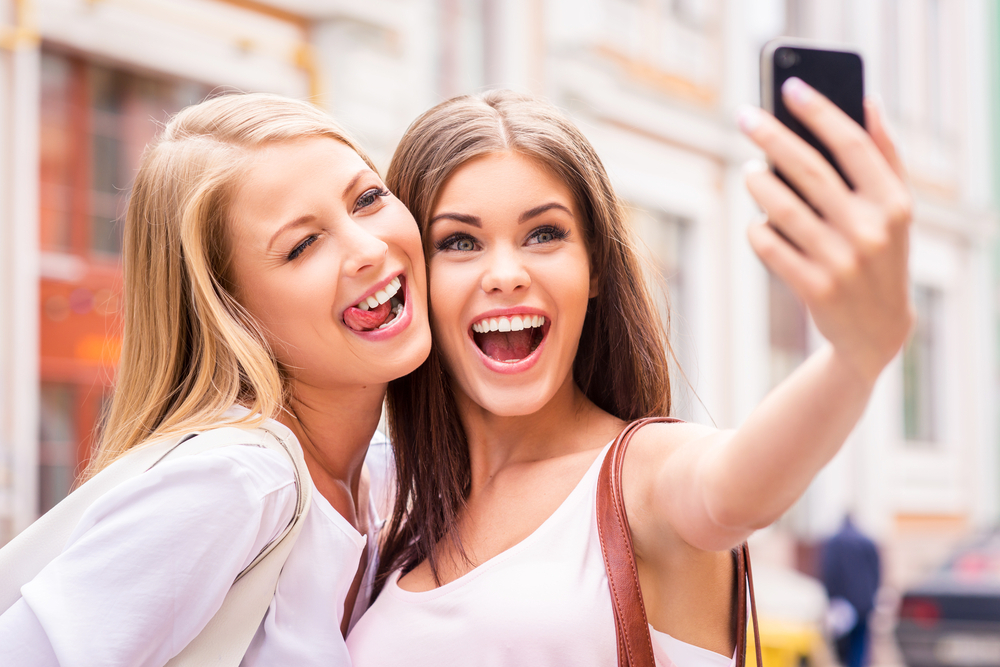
511,401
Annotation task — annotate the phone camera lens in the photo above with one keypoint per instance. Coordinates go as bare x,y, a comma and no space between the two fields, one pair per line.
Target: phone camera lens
786,58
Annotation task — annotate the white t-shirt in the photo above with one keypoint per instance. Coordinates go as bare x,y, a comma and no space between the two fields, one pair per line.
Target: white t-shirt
152,560
544,601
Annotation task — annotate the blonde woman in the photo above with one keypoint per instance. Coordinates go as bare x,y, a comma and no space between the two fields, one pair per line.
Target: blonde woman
270,279
546,345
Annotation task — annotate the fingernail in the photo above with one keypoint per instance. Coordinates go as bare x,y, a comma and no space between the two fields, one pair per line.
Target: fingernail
749,118
797,89
754,166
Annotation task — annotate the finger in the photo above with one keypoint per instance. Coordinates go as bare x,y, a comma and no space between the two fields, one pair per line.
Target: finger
879,133
803,277
804,166
852,147
794,219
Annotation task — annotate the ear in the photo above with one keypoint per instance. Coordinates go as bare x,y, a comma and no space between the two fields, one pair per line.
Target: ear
594,280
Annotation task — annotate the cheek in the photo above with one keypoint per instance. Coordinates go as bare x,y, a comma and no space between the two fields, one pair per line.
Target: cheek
449,289
443,292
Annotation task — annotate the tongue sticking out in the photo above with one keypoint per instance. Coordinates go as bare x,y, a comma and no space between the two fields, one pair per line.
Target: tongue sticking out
506,346
366,320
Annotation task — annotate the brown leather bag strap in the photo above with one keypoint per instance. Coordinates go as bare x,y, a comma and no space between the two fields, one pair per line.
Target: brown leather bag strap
745,551
635,648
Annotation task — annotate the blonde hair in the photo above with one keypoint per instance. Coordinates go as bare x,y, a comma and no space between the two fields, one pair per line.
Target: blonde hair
189,350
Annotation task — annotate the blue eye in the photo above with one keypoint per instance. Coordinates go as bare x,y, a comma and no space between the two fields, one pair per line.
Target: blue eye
547,234
457,242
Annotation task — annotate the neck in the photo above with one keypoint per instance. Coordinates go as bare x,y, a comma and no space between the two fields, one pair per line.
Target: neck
568,423
334,427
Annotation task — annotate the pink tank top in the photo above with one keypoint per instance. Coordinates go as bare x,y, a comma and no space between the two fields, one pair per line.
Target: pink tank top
544,601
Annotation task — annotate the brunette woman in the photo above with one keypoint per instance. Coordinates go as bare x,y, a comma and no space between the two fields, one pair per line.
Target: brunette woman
546,344
270,280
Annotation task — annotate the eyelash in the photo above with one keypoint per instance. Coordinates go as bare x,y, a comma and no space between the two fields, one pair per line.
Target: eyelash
557,233
445,244
371,193
300,248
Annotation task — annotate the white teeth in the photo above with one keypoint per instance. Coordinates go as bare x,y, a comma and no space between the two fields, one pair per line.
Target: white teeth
515,323
381,296
395,311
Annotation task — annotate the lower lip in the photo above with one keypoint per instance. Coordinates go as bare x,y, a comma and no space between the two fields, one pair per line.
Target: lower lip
510,367
401,322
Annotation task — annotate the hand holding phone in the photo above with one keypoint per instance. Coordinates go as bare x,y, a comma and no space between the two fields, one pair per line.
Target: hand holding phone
839,239
838,74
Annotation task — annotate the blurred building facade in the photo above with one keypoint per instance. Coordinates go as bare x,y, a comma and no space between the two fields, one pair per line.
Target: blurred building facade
655,84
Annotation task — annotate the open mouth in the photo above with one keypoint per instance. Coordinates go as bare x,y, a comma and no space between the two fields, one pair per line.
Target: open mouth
379,310
510,339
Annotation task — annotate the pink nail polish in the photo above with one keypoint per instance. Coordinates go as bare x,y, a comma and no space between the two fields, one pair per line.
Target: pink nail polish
748,118
797,90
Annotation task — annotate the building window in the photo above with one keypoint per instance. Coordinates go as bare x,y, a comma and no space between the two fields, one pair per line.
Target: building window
57,456
788,330
672,44
57,157
891,60
94,124
468,45
935,61
921,369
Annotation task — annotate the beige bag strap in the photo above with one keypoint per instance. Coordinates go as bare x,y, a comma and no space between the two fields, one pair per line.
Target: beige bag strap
635,647
225,639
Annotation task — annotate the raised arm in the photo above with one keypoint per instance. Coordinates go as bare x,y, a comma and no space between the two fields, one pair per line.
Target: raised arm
845,255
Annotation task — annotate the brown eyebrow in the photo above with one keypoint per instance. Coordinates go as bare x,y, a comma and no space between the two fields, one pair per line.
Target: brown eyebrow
297,222
354,181
538,210
473,220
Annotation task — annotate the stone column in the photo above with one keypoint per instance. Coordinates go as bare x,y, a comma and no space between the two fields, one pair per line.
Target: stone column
19,260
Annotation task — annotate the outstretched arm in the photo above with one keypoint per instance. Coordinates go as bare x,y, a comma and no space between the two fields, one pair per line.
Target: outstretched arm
845,255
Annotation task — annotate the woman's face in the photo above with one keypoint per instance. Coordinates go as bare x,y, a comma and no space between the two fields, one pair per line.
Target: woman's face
330,264
509,282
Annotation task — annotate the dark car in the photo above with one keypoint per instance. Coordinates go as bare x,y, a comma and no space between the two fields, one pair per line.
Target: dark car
953,618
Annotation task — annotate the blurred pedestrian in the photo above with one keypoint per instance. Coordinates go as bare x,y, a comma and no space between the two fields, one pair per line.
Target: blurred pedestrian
851,573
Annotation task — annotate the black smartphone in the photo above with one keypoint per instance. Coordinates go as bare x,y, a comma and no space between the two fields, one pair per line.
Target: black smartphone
836,73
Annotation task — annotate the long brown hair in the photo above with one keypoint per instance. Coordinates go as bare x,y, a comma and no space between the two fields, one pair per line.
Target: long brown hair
621,362
189,350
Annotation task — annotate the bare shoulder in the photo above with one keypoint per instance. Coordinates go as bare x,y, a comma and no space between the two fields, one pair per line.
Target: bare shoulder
658,453
654,449
656,442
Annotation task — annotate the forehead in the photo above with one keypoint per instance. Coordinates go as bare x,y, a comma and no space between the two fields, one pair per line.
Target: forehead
499,181
287,178
277,165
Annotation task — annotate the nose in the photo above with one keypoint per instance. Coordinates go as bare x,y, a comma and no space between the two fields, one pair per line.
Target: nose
363,249
505,272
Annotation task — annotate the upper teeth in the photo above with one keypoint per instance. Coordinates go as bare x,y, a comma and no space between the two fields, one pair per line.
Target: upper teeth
381,296
515,323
